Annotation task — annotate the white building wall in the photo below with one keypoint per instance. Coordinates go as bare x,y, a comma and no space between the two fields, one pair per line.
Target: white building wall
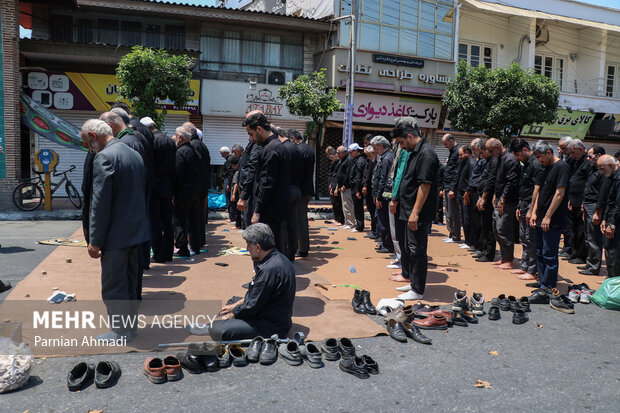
567,8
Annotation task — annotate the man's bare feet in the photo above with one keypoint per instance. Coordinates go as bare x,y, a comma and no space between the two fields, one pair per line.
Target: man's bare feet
397,273
526,276
505,266
398,278
519,271
500,262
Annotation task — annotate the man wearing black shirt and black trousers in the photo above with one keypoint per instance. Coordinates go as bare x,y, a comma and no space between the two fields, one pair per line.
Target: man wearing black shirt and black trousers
307,190
505,200
294,195
531,176
471,197
356,175
369,151
467,162
450,181
334,196
591,194
550,209
418,194
484,204
579,175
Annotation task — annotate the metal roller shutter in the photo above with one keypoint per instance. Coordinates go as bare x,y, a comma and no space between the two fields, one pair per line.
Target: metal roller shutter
172,122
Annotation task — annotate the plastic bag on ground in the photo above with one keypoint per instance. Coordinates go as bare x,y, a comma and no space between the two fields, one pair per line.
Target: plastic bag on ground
608,294
15,365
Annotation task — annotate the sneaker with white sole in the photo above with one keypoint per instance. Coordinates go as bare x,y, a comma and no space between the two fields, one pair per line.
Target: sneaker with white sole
410,295
446,239
463,246
460,301
404,288
585,296
354,230
573,295
394,266
476,303
346,227
449,240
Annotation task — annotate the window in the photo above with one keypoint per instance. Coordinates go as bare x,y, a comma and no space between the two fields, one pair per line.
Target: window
612,87
152,35
551,67
250,52
107,32
131,33
85,31
412,27
61,28
476,54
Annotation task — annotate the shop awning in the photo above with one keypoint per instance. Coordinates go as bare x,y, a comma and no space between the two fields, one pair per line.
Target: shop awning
515,11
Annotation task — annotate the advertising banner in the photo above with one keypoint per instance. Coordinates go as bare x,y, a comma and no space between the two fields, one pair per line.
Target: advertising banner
575,125
90,91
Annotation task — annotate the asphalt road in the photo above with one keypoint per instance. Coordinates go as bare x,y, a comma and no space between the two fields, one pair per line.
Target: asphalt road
570,364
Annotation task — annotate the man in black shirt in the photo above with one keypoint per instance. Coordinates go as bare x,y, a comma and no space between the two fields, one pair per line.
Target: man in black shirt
247,175
330,153
187,191
267,308
307,190
531,176
385,157
439,214
418,194
550,210
450,182
484,204
205,177
272,180
608,166
467,165
344,187
579,175
471,197
594,237
371,160
295,161
356,174
564,155
505,200
164,152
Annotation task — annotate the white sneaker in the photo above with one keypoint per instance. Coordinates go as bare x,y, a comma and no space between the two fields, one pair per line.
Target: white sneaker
573,296
354,230
463,246
448,240
585,296
404,288
346,227
410,295
394,266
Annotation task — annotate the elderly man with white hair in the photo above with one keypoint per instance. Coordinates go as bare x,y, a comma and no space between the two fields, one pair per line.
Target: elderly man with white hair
579,175
385,158
118,221
608,166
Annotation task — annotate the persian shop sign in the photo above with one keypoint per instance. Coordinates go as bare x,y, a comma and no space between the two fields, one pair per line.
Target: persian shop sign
397,60
382,109
574,124
90,91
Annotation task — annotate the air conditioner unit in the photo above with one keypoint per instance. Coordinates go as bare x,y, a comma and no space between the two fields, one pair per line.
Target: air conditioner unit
278,77
542,35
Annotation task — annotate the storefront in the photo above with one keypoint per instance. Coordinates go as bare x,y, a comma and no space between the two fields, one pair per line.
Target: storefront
77,97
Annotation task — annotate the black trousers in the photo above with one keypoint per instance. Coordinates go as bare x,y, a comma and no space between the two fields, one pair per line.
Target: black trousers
162,238
371,207
303,234
487,237
185,224
279,233
417,243
292,234
475,221
358,210
337,208
579,234
439,212
383,225
119,282
202,217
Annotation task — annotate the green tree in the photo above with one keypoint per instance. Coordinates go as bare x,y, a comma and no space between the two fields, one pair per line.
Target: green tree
149,75
308,95
500,101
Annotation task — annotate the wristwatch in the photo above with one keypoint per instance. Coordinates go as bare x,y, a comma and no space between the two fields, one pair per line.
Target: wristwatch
612,226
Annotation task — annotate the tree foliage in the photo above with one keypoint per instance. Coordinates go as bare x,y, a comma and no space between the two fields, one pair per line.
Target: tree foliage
148,75
308,95
500,101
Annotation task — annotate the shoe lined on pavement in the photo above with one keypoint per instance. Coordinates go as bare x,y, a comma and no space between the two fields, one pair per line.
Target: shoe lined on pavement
458,319
312,354
172,366
539,297
329,348
476,303
367,303
414,333
346,348
355,366
563,304
80,375
269,352
357,302
469,316
396,331
514,304
585,297
290,353
460,300
573,295
494,313
397,314
107,373
253,351
519,317
154,370
238,355
524,304
371,365
223,359
434,322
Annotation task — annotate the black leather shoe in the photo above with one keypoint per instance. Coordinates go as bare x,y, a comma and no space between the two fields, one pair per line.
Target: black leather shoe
563,304
524,304
502,302
4,286
494,313
106,374
458,320
539,297
368,307
371,365
578,261
470,317
80,375
254,350
190,362
414,333
346,348
477,254
358,303
329,348
582,267
396,330
269,352
533,285
209,362
519,317
514,304
587,272
238,356
483,259
354,366
223,358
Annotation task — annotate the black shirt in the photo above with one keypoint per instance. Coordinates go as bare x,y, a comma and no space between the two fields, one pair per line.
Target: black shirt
271,188
342,174
205,162
268,303
440,173
307,172
593,185
164,153
464,175
296,162
579,175
248,165
422,168
487,179
357,174
368,170
555,176
451,176
612,212
187,173
333,179
380,175
531,174
476,173
507,178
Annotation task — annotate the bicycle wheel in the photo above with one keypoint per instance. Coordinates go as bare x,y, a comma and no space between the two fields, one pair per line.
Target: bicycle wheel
74,195
27,196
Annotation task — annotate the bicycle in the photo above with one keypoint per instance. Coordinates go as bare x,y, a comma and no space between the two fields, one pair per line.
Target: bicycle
29,195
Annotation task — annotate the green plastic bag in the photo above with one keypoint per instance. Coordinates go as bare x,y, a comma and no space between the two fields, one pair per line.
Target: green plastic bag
608,294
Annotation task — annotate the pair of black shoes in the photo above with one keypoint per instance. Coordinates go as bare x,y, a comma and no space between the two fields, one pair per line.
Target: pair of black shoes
463,318
106,374
262,350
361,367
519,316
200,357
333,349
511,303
361,302
399,331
